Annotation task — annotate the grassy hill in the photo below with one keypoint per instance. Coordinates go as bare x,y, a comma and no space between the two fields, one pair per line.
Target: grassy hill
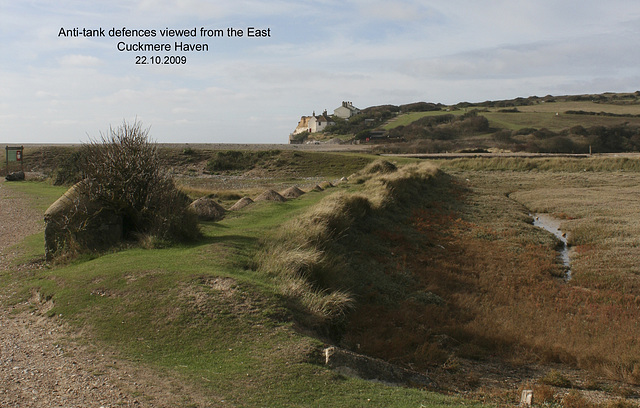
565,124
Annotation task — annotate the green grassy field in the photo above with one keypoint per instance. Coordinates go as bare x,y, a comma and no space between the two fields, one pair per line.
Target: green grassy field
538,116
551,121
407,118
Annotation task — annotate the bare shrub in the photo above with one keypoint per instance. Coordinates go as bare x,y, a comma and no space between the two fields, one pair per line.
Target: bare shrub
575,400
74,224
543,394
557,379
124,174
504,136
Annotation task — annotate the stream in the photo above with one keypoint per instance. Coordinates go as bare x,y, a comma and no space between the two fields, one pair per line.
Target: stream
552,225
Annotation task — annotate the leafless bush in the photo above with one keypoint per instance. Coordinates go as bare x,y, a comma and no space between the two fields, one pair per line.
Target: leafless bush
124,174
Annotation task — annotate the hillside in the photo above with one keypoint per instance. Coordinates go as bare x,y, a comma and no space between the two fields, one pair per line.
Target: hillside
604,123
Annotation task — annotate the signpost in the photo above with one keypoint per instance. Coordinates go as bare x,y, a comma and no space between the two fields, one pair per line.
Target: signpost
14,154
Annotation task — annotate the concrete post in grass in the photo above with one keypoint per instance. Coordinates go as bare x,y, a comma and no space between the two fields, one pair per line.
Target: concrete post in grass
526,400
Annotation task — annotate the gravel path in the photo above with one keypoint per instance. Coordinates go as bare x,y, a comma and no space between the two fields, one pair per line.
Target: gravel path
44,363
17,221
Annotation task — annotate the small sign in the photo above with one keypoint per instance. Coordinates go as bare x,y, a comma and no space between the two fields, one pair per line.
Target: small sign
14,154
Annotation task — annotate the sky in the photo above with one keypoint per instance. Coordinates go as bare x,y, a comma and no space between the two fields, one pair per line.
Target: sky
64,89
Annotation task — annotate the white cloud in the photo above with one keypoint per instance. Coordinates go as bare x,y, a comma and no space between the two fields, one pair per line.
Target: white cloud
199,10
397,10
63,122
79,61
581,56
44,95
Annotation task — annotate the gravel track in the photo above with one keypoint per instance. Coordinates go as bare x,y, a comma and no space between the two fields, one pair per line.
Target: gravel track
17,220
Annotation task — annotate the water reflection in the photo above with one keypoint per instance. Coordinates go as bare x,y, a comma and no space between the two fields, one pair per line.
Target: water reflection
552,225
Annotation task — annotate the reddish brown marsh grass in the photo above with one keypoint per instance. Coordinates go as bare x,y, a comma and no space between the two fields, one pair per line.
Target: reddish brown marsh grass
496,276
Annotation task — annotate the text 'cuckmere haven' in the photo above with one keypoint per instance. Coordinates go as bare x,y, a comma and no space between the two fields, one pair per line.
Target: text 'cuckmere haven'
178,46
129,41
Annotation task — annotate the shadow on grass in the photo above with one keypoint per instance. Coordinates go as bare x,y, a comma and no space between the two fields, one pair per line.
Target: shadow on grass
235,240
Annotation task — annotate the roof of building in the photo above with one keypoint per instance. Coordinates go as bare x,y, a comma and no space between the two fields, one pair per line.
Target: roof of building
348,105
323,118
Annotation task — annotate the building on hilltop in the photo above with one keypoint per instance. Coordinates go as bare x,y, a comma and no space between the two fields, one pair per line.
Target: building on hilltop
346,111
313,123
319,123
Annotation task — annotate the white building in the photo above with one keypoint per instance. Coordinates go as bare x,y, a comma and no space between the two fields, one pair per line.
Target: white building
346,111
313,123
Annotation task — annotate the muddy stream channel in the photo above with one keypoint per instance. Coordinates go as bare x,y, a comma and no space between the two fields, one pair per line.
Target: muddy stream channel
552,225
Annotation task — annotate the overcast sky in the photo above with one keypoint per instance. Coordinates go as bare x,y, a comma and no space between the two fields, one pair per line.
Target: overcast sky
57,89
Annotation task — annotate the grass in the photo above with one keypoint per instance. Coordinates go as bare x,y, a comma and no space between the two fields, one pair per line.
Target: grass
441,271
407,118
519,164
551,121
203,312
276,163
473,248
587,322
586,106
542,115
303,255
282,170
556,378
482,274
42,195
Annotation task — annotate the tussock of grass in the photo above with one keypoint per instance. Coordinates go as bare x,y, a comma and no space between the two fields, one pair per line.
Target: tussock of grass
556,378
322,304
402,187
296,257
291,262
380,166
198,192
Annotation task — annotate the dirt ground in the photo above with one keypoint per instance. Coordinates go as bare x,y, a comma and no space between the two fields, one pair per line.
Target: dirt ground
44,363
